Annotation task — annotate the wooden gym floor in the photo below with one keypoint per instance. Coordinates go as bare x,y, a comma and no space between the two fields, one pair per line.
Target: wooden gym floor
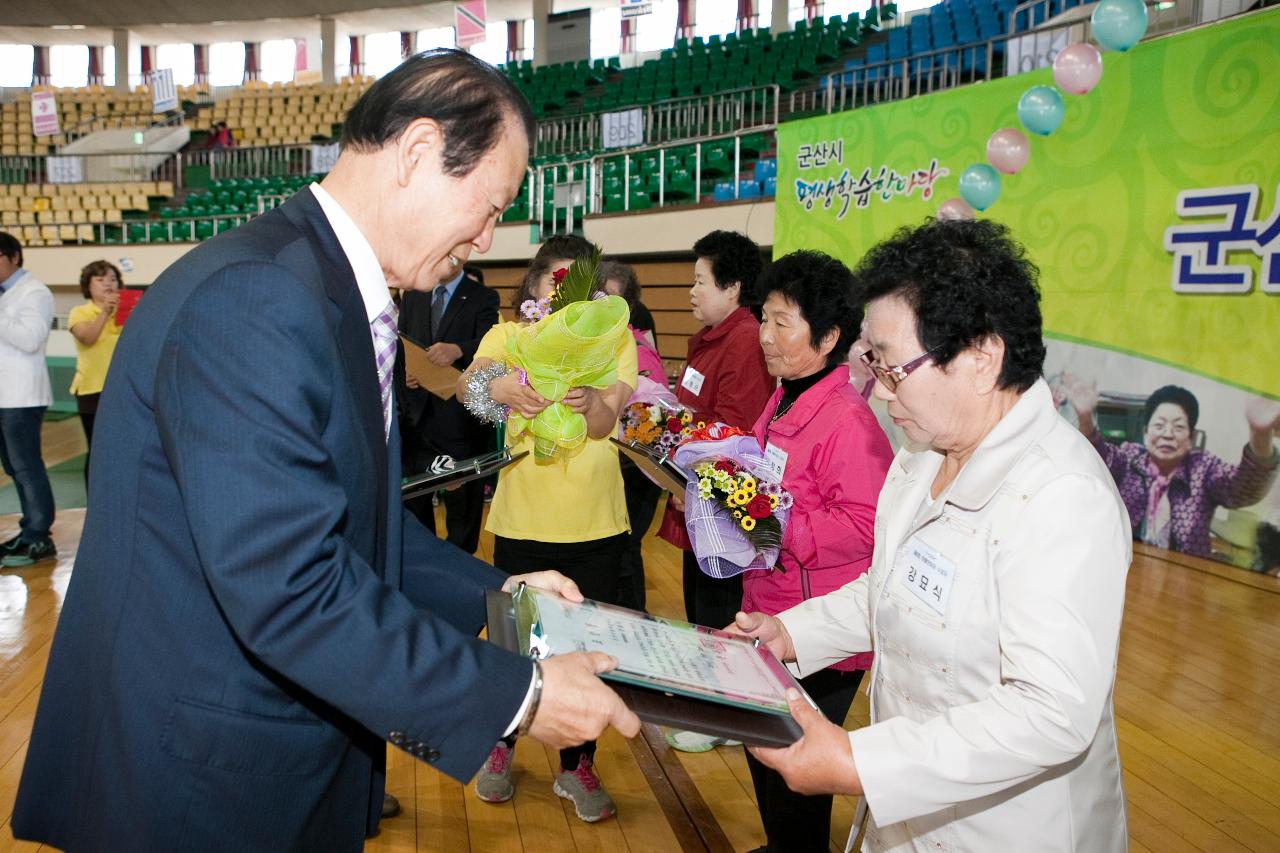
1197,703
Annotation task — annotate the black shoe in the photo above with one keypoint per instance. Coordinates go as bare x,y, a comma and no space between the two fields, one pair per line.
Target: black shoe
6,547
390,806
25,554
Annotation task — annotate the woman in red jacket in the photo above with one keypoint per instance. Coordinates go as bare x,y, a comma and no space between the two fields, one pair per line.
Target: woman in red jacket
832,456
724,379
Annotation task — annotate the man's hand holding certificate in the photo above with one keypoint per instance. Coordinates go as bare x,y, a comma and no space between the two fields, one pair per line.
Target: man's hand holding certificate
574,705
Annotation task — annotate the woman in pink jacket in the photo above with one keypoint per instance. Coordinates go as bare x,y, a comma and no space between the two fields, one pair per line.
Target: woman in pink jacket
823,440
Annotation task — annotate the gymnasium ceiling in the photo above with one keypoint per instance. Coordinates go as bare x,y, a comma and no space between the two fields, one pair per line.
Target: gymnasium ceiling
206,22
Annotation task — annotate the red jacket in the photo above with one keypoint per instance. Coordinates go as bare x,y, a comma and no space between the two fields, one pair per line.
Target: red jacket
735,386
837,460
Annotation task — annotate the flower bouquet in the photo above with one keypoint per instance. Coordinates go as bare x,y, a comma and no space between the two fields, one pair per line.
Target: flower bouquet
735,517
573,345
657,423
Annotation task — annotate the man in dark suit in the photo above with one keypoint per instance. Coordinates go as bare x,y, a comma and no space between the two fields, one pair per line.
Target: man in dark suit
252,614
449,321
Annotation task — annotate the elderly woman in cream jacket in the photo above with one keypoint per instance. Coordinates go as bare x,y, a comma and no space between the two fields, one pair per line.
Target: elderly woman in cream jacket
994,598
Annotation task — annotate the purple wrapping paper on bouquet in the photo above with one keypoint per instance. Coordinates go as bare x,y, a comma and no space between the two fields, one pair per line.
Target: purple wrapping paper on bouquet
721,547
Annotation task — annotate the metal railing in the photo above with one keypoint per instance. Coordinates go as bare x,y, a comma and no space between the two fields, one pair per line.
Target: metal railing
90,168
117,232
269,161
580,183
667,121
949,67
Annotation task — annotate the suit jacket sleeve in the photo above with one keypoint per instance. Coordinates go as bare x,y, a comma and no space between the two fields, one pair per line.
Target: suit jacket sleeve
244,400
486,302
442,578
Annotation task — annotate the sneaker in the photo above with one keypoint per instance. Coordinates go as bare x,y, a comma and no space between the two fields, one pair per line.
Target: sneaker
25,554
697,742
590,800
9,545
493,785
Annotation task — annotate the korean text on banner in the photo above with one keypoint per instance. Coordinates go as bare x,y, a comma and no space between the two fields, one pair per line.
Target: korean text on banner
469,22
164,95
44,114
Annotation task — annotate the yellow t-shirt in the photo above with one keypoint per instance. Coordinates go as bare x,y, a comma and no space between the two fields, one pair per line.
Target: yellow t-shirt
92,361
575,501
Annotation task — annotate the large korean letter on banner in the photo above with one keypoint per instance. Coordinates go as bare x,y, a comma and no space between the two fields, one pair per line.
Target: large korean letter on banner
1153,214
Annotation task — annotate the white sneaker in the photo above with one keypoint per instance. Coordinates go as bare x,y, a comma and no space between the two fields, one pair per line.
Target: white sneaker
697,742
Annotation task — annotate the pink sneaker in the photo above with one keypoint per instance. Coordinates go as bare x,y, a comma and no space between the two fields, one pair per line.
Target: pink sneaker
582,786
493,783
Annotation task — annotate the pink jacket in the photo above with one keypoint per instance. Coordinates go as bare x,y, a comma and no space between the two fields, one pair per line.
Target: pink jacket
837,460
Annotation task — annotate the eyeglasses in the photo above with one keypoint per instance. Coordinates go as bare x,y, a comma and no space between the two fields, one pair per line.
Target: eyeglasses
892,376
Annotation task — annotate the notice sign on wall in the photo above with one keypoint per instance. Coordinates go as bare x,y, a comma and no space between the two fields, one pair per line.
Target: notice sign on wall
44,114
623,129
469,22
164,95
636,8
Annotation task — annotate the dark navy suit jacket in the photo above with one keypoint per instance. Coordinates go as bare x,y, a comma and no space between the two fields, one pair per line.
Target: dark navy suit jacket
252,615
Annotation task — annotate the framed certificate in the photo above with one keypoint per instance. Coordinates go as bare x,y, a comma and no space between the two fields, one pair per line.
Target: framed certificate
669,672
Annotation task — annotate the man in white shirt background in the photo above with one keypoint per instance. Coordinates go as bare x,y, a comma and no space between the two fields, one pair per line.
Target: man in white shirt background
26,316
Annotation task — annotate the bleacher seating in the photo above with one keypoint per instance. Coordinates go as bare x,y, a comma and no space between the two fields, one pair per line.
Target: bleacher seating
695,67
49,214
80,110
283,113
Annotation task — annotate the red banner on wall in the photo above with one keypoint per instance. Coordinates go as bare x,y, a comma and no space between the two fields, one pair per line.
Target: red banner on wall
469,22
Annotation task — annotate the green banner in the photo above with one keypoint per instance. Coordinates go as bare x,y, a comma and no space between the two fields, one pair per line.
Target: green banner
1188,124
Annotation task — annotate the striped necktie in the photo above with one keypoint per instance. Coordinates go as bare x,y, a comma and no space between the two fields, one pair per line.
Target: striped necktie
384,351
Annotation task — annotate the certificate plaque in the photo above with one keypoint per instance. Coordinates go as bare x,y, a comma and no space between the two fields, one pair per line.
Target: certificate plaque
669,672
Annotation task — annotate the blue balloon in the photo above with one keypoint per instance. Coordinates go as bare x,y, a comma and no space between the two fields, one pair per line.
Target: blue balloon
1041,110
980,186
1119,24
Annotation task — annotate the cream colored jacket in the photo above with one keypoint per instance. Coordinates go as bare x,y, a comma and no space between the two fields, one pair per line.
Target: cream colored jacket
992,727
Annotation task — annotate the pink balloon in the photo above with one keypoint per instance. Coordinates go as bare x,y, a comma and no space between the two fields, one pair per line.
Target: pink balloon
1077,68
1008,150
954,208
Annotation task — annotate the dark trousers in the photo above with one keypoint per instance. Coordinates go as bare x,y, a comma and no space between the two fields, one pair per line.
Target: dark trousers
795,823
709,601
463,508
592,565
642,503
87,406
22,460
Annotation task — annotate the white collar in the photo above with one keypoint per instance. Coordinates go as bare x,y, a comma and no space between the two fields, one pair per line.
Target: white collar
369,275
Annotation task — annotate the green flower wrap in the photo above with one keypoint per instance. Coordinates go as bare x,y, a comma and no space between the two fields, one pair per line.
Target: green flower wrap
574,347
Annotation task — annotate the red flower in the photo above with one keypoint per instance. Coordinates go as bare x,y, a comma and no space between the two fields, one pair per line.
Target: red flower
759,507
558,275
673,425
726,466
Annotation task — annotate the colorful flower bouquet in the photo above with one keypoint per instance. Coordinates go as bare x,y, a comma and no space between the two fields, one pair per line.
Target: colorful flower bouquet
735,517
573,345
658,423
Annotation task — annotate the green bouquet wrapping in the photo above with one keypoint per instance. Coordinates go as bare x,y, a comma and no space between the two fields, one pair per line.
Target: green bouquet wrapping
575,346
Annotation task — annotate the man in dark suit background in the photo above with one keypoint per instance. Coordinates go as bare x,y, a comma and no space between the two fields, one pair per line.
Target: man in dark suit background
255,616
449,321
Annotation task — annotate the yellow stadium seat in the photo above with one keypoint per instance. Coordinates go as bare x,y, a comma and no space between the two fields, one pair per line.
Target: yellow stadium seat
9,217
67,233
95,216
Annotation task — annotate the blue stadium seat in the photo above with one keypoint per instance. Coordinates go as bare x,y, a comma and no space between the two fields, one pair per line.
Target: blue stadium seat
723,191
767,168
748,189
771,186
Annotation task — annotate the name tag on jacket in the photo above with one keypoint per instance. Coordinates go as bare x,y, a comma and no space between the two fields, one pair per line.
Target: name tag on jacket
692,381
928,575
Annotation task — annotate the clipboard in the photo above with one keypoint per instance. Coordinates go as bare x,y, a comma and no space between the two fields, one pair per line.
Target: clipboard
693,705
463,471
661,470
440,381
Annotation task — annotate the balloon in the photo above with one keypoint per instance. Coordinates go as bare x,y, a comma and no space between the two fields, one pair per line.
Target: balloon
980,186
953,209
1040,109
1119,24
1008,150
1077,68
